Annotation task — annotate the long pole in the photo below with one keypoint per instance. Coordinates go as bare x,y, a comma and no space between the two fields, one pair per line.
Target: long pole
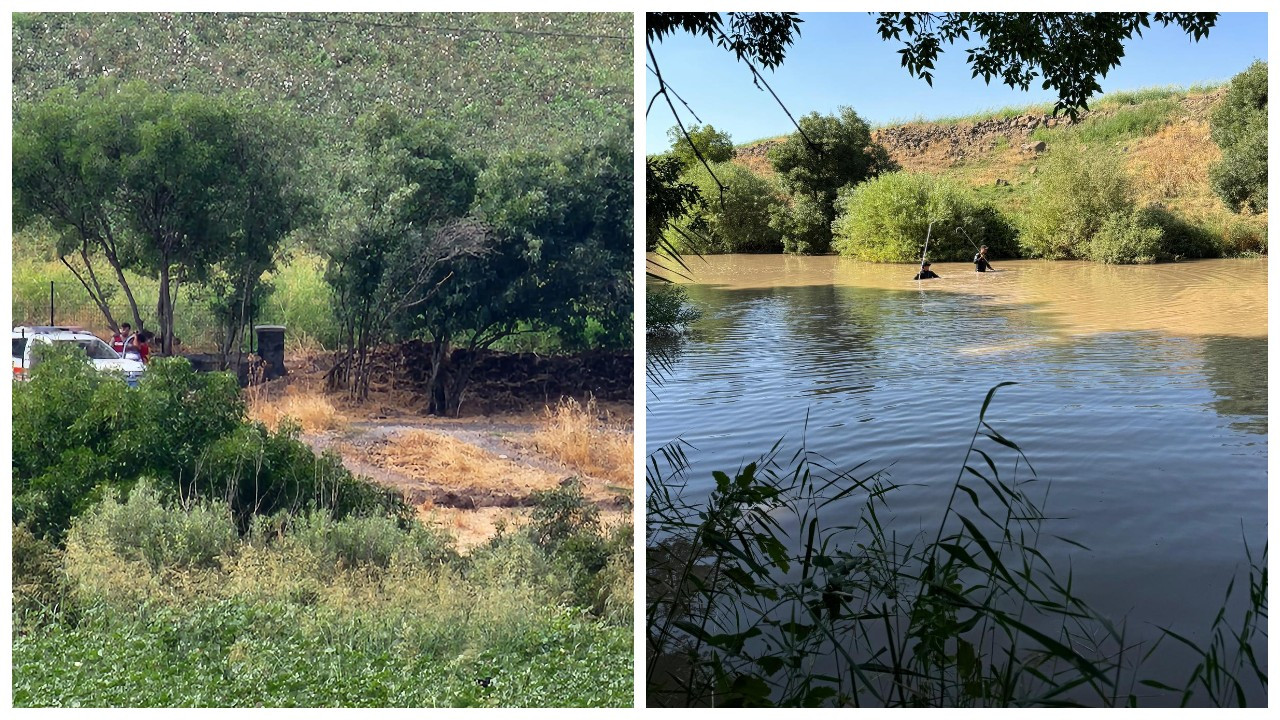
50,302
928,233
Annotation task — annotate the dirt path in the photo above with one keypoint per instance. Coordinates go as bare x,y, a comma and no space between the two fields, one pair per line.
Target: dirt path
469,475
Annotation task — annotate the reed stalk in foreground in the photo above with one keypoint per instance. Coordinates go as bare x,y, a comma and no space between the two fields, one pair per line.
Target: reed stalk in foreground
846,612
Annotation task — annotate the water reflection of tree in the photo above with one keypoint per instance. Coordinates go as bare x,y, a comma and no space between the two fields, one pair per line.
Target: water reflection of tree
1236,368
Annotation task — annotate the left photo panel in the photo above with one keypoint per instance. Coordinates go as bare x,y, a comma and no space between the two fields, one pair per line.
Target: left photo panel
322,359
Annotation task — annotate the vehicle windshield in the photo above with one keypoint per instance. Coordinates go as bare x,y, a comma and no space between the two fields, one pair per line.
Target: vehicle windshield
19,347
94,348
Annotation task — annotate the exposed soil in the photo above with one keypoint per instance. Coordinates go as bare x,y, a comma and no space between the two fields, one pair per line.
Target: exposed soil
473,474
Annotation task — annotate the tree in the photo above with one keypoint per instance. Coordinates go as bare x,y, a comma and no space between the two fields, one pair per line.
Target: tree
559,259
168,184
737,221
393,247
701,140
829,153
67,155
1239,127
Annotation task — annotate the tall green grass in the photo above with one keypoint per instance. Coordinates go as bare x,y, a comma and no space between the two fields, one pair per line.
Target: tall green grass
848,611
156,604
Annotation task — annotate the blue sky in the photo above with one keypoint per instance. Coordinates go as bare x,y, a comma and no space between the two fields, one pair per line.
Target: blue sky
839,59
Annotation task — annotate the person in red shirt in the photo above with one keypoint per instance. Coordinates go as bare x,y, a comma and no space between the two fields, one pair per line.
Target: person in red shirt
144,345
121,338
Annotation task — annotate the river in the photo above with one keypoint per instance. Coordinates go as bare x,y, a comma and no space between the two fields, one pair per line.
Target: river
1141,394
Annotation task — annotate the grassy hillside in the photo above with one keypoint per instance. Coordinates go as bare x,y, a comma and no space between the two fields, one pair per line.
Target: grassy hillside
503,80
1160,134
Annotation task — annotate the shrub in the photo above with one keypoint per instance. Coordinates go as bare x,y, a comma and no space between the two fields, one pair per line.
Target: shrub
667,311
1125,238
735,221
887,220
77,432
805,224
1077,192
1181,239
1241,237
1239,126
144,529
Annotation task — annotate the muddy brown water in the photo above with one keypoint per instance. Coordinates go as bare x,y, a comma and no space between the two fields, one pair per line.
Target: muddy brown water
1141,395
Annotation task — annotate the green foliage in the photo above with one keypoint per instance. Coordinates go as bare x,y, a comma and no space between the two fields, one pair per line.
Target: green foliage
827,154
1239,127
508,89
77,432
667,310
735,221
372,541
804,223
667,197
1242,237
1076,192
887,220
1125,238
1068,50
142,529
1179,239
162,604
712,145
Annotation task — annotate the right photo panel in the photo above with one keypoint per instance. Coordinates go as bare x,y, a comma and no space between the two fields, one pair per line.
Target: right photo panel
956,359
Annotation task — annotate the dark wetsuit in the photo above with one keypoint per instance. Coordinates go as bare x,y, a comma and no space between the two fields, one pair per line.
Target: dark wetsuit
981,263
926,275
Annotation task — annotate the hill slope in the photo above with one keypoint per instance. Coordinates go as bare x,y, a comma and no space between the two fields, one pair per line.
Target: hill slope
1162,134
502,80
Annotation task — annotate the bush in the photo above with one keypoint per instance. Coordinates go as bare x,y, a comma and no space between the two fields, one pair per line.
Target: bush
1078,191
667,310
1181,239
736,221
1239,127
144,529
887,220
77,432
1242,237
834,152
805,225
371,542
1125,238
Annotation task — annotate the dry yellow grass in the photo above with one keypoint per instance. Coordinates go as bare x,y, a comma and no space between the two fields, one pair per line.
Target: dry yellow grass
448,461
310,408
576,435
1172,162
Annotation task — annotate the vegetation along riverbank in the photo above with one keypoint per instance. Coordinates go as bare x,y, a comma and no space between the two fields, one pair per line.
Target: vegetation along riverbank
1150,175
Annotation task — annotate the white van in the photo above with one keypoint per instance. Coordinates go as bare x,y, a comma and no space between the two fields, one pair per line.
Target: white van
99,353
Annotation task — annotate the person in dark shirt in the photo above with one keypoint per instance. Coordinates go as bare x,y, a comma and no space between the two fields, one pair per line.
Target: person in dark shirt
980,260
925,273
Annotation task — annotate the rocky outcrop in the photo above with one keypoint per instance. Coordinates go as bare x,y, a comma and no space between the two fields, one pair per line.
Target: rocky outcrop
954,142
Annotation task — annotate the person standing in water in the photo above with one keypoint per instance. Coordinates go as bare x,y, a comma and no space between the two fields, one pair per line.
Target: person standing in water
980,260
925,273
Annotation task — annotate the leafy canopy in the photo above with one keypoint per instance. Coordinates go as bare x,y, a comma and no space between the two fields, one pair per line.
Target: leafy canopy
888,219
1239,127
738,222
702,141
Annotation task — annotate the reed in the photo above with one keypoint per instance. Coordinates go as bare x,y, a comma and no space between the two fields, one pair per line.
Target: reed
850,612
